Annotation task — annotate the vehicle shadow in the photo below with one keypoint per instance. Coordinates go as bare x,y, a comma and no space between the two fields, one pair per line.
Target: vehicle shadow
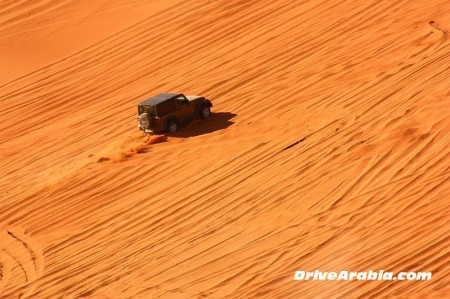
217,121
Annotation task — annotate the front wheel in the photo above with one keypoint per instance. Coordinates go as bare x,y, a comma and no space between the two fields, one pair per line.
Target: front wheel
205,112
172,126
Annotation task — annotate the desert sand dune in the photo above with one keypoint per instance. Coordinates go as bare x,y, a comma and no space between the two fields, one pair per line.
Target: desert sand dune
328,148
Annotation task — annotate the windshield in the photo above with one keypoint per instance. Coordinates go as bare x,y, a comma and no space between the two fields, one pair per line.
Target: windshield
146,108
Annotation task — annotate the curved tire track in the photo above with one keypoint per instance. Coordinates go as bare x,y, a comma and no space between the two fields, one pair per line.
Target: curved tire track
17,249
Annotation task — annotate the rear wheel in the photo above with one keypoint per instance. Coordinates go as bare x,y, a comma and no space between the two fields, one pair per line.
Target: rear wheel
172,126
205,112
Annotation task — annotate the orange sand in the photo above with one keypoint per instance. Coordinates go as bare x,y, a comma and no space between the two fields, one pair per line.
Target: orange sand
234,205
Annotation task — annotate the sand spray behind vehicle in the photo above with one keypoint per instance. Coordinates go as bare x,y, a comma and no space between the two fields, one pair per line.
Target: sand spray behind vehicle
132,145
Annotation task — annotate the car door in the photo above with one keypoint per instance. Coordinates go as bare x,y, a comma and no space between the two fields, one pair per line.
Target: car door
184,112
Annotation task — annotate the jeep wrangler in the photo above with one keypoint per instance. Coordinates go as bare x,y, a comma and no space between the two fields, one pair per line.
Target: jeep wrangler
167,111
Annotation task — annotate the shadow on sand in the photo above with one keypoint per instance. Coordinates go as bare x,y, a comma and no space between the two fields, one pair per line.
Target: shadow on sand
217,121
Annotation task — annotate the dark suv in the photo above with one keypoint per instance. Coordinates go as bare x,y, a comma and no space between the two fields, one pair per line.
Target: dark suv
167,111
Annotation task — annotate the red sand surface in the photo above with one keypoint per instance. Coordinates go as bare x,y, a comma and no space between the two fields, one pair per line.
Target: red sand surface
328,148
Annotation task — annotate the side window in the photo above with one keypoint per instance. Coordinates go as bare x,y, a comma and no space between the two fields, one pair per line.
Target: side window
166,107
180,101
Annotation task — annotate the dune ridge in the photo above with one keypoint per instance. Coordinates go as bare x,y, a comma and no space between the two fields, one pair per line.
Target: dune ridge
328,150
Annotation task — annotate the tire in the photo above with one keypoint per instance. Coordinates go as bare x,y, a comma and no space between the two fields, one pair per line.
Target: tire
172,126
144,121
205,111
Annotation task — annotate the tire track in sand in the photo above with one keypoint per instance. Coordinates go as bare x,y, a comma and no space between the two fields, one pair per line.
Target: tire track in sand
18,250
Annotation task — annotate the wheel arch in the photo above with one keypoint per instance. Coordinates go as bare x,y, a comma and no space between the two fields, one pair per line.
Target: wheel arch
200,104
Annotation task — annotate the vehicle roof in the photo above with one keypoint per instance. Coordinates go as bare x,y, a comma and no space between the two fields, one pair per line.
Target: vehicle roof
155,100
